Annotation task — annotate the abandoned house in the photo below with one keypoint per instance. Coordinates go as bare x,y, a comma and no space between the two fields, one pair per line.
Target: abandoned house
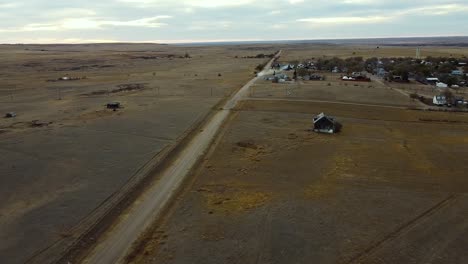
10,115
326,124
113,105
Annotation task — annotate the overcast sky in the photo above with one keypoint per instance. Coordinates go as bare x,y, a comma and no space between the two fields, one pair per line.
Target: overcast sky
169,21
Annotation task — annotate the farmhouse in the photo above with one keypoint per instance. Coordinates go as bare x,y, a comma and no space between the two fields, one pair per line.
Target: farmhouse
439,100
326,124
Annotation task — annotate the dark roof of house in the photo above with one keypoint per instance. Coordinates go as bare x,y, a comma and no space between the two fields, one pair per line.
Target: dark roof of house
322,116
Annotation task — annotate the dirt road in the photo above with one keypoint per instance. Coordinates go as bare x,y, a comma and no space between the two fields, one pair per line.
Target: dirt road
115,245
325,101
376,79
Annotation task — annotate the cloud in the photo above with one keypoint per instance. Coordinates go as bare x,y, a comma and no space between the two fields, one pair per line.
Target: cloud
293,2
64,41
90,23
344,20
359,2
385,16
135,20
208,25
279,26
69,12
436,10
192,3
9,5
274,12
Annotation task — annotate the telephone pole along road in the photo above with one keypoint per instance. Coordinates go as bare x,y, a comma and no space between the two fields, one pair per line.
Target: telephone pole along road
118,241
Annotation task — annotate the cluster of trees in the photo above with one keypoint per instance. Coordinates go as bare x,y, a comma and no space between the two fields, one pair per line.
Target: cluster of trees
353,64
260,66
260,56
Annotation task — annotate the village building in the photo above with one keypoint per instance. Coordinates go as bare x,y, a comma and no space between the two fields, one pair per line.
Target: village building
457,72
326,124
432,80
381,72
439,100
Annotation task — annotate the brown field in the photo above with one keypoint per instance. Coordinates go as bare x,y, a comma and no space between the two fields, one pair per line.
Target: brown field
269,191
388,189
60,174
332,89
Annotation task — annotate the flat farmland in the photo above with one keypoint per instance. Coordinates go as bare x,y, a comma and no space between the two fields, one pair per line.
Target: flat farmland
389,188
66,160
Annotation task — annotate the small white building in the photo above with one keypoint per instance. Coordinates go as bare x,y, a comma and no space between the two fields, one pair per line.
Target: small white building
441,85
439,100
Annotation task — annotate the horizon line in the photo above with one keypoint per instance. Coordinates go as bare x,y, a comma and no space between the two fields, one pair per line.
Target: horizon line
175,42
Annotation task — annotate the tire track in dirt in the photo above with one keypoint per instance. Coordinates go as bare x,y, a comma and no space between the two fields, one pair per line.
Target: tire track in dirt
402,229
264,231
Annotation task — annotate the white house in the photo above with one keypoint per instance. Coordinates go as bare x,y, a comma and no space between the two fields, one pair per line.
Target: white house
441,85
439,100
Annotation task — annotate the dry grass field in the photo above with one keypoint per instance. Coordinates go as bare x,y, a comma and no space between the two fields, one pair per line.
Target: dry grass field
62,172
332,89
391,188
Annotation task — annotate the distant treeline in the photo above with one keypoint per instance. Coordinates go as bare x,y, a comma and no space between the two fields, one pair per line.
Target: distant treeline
260,56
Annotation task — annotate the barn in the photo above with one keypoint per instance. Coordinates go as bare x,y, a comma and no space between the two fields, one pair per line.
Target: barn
326,124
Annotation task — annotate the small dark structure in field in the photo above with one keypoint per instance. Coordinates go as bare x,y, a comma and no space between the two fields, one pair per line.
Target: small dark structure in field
113,105
67,78
10,115
326,124
38,123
